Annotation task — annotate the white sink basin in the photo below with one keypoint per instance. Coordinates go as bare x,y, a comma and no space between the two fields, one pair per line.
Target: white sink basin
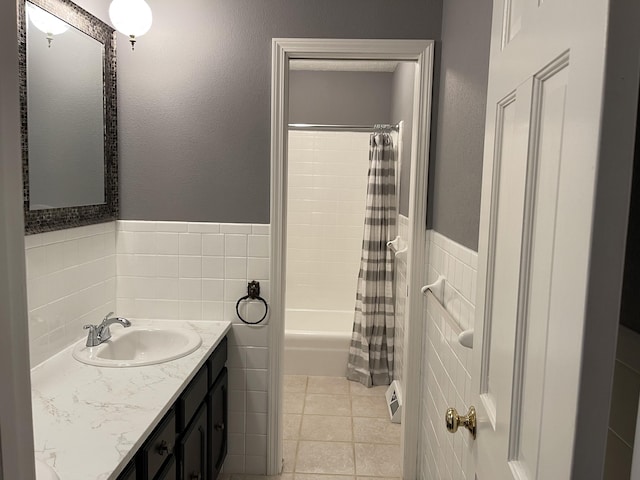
138,346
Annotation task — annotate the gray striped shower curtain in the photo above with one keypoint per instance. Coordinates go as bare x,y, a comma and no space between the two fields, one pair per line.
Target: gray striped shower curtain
371,349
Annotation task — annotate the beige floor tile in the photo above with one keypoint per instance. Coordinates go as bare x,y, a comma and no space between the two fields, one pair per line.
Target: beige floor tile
293,402
364,406
291,426
358,389
376,430
377,460
237,476
328,385
325,457
379,478
312,476
295,383
326,428
289,453
320,404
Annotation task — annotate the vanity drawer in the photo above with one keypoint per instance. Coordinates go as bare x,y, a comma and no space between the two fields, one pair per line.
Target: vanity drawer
192,397
217,360
159,447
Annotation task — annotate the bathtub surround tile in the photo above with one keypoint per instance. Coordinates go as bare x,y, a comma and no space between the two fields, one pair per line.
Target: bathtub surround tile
445,364
325,457
321,231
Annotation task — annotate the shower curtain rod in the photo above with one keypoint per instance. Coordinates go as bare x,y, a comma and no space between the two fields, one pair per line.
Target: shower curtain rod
356,128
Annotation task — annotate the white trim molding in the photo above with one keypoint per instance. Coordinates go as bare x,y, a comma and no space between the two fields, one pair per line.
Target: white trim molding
421,52
16,430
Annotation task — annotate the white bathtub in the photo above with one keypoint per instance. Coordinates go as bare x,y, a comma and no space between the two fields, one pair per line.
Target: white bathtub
316,342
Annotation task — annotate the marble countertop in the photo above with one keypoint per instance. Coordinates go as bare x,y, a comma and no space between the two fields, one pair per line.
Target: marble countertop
90,421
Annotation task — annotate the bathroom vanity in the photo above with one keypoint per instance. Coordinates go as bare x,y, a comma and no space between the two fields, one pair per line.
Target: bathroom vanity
163,421
190,442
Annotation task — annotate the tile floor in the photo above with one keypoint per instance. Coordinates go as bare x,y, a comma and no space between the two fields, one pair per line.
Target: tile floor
336,429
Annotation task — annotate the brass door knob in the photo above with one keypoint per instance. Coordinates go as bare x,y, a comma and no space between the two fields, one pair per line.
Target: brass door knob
454,420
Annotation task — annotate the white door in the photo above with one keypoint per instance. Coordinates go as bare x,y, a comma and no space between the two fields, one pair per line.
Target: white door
544,106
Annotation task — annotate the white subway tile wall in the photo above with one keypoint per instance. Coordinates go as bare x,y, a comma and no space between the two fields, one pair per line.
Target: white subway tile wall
401,301
446,365
198,271
325,218
71,281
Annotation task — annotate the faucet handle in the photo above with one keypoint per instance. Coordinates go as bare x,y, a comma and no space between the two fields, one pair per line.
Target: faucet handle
93,337
107,317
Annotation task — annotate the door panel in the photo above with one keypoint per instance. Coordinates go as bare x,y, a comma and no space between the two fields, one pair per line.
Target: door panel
544,105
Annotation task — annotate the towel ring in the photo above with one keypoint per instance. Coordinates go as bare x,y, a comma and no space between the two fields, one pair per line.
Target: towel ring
253,293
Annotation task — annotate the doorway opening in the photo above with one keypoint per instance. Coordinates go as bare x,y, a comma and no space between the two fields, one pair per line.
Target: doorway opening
317,217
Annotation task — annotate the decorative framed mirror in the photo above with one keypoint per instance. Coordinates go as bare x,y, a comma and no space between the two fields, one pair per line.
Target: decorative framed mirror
68,116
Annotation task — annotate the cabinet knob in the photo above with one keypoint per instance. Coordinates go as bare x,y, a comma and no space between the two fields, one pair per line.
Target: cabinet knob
163,448
219,426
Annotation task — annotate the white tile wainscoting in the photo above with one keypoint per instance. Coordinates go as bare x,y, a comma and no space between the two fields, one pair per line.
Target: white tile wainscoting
160,270
71,281
446,365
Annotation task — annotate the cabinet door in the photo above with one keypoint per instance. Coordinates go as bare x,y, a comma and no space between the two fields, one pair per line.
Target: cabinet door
129,472
169,470
193,447
217,402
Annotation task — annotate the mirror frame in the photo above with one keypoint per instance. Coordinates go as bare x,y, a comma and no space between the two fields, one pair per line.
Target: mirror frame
38,221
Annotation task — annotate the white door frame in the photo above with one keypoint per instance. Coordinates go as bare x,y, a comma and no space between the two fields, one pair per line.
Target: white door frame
16,432
421,52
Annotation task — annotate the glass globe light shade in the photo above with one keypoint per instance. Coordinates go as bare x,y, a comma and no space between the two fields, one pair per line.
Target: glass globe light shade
45,22
131,17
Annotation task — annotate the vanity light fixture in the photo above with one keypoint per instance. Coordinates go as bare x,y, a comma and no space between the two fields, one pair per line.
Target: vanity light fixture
45,22
131,17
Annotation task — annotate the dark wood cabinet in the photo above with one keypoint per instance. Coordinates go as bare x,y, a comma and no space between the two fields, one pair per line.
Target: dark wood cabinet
217,409
190,442
194,447
129,473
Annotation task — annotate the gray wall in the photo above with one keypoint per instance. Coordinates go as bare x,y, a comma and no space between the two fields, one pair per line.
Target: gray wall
340,97
402,110
455,178
194,97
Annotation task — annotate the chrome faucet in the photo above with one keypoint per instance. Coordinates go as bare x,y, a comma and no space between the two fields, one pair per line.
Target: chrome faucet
101,333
